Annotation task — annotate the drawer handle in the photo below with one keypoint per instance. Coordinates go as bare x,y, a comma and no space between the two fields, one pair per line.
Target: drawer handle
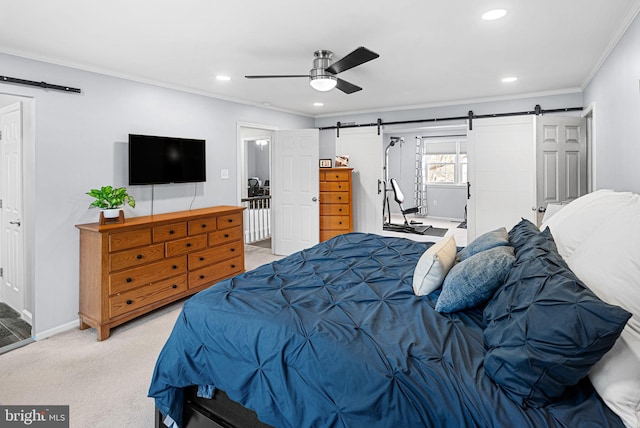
201,259
340,209
139,256
230,220
175,266
174,286
188,244
339,198
129,302
340,223
226,235
204,225
339,187
233,249
233,266
201,276
129,279
171,232
337,175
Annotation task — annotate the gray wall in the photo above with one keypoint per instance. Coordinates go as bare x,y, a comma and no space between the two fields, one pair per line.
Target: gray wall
81,143
614,92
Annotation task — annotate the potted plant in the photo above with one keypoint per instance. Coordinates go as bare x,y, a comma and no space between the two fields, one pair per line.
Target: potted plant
111,200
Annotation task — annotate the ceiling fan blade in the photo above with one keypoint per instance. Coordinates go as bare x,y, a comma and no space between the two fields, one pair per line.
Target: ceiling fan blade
355,58
346,87
276,76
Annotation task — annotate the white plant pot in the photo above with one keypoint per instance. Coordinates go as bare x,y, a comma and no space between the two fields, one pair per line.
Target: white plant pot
111,213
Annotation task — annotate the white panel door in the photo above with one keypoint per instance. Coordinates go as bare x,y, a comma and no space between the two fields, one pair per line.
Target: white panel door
364,147
11,245
561,155
502,187
295,190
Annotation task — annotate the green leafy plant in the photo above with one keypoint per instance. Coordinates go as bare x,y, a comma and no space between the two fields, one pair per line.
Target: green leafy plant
108,197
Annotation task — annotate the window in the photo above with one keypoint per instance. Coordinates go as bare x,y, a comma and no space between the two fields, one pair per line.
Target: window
444,162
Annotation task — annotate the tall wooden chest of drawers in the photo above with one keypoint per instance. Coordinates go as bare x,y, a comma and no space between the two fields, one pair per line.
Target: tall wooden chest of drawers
335,202
131,268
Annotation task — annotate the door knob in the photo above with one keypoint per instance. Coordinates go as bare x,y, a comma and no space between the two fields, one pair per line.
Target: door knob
314,199
17,222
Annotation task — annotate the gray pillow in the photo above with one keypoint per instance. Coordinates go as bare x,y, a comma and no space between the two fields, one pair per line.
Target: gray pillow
484,242
473,281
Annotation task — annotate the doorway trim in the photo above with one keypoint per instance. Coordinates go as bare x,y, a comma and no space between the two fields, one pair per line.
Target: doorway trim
241,153
589,113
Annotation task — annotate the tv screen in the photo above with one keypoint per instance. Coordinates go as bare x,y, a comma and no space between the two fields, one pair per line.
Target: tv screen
159,160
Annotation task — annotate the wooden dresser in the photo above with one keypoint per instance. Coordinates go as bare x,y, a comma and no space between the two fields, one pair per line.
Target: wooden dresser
336,215
131,268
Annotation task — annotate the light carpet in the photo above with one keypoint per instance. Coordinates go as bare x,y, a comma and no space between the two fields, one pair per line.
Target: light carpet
104,383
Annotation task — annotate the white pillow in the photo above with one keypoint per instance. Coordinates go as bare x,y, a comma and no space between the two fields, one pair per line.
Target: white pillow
577,220
433,266
616,377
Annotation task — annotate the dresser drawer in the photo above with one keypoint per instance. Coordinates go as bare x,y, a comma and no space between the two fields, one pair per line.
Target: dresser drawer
339,222
125,240
334,186
122,303
335,209
213,273
169,232
203,225
328,234
186,245
225,235
334,197
135,257
337,175
147,274
229,221
214,255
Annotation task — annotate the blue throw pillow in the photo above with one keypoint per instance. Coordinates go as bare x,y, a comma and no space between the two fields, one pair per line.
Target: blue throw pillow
544,328
474,280
484,242
521,233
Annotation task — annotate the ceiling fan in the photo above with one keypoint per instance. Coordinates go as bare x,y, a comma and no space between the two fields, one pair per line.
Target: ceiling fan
322,77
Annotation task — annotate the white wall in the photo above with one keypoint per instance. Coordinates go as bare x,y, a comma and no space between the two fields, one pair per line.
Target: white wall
615,92
81,143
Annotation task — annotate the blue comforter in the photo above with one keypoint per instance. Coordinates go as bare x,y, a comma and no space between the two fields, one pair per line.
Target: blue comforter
333,336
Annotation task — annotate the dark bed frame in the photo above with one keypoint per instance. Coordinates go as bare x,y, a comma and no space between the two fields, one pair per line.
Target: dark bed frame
217,412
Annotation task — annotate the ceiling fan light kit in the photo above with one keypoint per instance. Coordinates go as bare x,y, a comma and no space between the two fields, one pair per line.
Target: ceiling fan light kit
322,77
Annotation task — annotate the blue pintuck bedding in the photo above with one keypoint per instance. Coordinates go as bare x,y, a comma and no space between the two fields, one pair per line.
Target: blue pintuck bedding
333,336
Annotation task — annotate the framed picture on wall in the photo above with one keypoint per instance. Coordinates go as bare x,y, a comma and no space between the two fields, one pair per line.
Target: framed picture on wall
325,163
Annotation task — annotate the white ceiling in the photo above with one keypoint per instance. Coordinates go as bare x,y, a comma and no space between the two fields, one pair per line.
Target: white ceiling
432,52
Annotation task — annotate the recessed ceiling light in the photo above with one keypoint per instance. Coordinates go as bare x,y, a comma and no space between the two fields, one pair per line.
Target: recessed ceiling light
223,78
494,14
509,79
318,104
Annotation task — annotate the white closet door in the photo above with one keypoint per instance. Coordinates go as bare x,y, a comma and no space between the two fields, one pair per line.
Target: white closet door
364,147
502,173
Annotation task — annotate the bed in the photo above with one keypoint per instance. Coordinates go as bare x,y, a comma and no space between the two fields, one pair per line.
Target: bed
366,330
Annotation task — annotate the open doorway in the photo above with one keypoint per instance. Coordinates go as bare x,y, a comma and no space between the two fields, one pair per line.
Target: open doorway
16,221
254,178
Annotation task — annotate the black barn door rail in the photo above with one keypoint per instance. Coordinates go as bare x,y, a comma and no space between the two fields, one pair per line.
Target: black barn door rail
470,116
43,85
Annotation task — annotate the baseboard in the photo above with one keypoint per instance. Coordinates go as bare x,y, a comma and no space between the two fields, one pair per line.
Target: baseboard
59,329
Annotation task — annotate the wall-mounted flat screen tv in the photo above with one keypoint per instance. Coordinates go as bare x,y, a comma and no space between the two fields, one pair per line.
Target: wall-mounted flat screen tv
160,160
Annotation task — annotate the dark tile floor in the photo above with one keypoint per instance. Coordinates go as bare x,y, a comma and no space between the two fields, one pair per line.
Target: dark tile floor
12,328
